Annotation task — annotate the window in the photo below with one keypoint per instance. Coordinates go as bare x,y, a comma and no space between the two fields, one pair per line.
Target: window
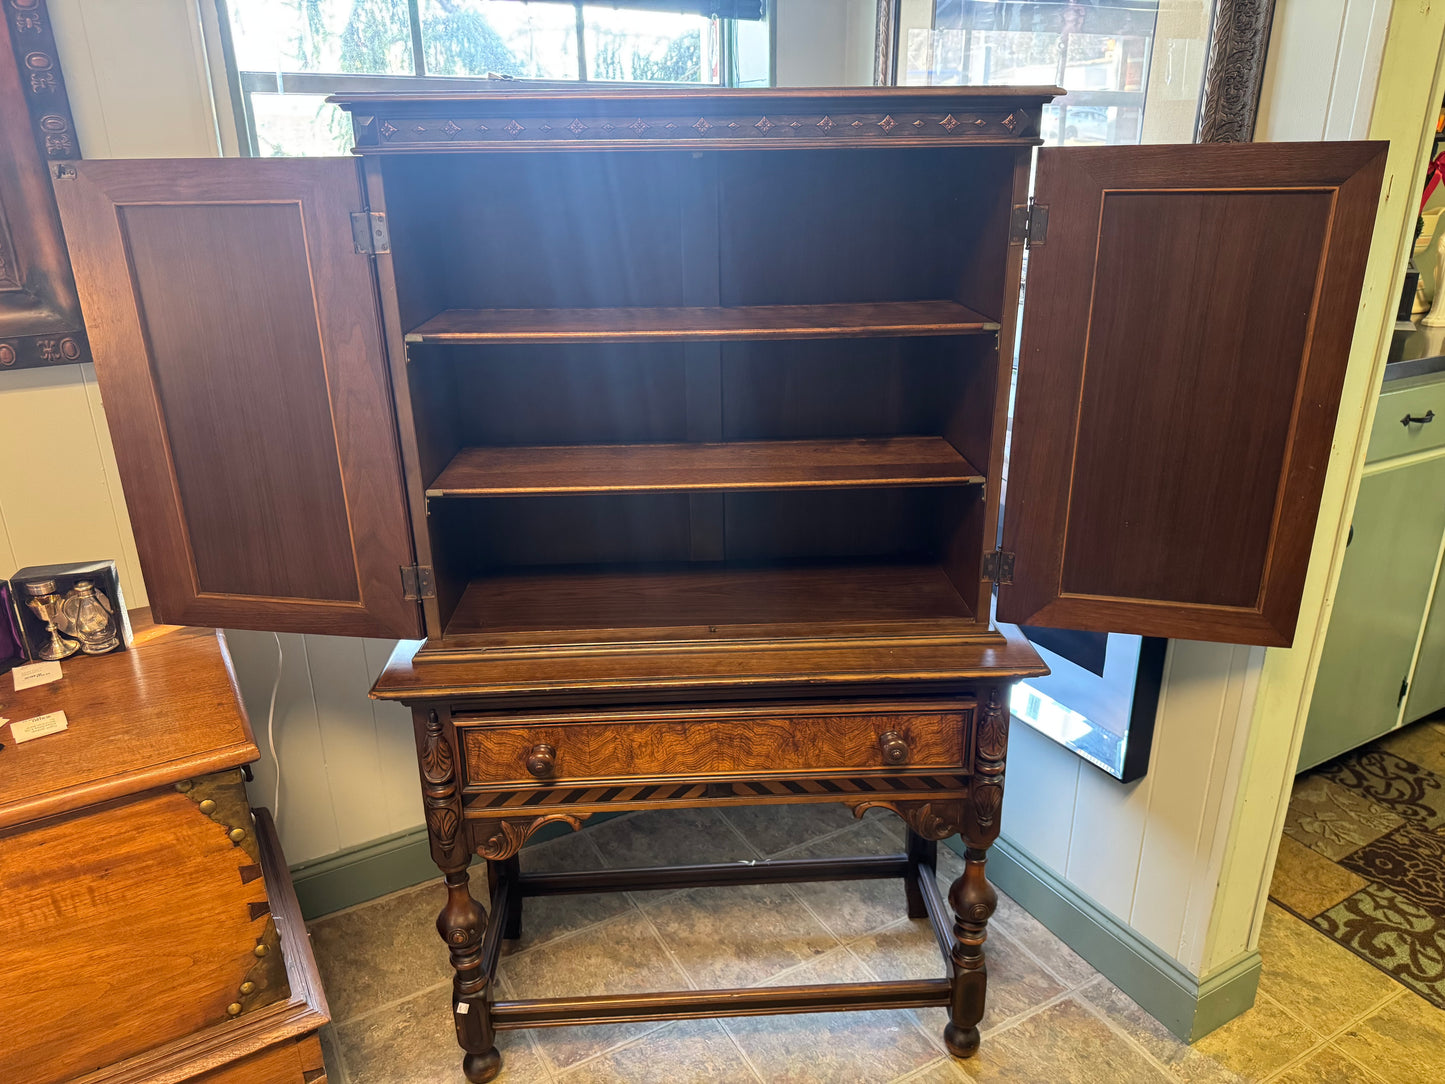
1100,51
288,55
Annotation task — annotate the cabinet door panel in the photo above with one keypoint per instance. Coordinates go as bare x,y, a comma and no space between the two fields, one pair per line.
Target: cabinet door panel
238,351
1379,603
1186,330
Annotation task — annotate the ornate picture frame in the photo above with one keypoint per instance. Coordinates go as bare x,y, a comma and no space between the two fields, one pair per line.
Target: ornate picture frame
1238,47
40,319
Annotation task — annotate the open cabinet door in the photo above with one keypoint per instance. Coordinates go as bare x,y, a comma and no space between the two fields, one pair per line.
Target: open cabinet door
1187,324
238,348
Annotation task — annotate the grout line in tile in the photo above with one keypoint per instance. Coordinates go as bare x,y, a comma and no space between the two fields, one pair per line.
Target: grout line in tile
823,838
747,1061
917,1074
1332,1036
667,949
364,904
822,923
375,1009
530,1035
1103,1017
733,828
568,935
1018,1018
633,1040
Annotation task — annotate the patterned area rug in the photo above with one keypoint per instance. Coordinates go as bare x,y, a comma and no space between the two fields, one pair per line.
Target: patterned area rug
1363,855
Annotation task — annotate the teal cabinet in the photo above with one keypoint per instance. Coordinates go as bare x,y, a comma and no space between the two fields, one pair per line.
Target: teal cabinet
1427,688
1387,586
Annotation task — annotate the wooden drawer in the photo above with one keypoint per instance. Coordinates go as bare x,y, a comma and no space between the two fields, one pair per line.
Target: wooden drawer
1416,397
804,740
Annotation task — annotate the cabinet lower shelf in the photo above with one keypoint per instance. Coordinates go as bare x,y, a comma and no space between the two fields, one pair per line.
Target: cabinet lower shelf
883,319
709,602
740,465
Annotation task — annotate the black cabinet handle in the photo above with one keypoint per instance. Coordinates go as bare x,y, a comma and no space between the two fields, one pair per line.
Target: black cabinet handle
1410,419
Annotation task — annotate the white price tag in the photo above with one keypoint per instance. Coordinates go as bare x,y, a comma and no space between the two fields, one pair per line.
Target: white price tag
50,723
35,673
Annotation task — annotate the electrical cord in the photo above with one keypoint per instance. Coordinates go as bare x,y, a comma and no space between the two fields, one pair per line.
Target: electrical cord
271,732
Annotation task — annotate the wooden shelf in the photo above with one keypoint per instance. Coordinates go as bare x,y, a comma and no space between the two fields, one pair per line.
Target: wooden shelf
675,468
889,319
706,602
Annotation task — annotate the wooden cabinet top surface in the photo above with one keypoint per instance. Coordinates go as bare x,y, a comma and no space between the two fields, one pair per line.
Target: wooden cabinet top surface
165,710
566,119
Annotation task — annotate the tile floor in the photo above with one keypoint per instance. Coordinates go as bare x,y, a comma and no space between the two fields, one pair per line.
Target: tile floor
1323,1015
1363,854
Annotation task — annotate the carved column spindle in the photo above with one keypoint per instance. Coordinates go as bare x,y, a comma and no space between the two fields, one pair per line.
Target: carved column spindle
462,922
971,896
973,900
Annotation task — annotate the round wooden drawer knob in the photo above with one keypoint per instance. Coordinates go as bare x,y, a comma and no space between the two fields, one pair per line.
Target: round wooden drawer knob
542,761
894,746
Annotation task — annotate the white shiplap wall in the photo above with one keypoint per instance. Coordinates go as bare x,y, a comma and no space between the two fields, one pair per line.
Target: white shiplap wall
1150,853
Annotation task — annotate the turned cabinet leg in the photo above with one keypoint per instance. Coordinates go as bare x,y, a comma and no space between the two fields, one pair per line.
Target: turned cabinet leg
922,857
462,924
511,868
973,900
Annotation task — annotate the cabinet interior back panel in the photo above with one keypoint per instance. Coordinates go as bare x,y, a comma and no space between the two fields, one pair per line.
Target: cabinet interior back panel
853,226
541,231
1256,255
240,377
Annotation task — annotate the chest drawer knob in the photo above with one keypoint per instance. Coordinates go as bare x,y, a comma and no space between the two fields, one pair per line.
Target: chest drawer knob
542,760
894,746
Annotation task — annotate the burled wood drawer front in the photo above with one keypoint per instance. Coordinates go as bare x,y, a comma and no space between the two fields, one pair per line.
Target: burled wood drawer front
562,748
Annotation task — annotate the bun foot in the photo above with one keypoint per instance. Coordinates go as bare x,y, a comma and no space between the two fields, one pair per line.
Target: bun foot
480,1068
961,1042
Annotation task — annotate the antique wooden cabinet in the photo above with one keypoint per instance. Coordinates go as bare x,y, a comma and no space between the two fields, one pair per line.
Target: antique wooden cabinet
674,422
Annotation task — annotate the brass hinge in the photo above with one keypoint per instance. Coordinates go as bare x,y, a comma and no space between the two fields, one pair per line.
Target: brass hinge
369,233
418,582
998,566
1029,224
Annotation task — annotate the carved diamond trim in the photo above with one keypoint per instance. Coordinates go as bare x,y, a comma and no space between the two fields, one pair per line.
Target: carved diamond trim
545,127
1012,122
577,127
826,124
857,124
887,123
451,128
609,127
513,128
639,126
764,125
419,128
918,124
979,122
702,126
949,123
388,130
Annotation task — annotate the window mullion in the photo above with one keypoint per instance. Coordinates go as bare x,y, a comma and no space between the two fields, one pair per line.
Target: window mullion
581,43
418,54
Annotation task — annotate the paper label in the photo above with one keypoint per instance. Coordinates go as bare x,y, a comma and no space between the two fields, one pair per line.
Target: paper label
50,723
35,673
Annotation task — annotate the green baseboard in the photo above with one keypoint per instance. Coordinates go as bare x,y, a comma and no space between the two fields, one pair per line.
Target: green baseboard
1188,1005
389,864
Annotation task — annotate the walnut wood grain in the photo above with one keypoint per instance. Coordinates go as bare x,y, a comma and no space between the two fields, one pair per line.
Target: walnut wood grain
710,743
153,886
872,320
705,602
672,468
1178,497
166,710
265,485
